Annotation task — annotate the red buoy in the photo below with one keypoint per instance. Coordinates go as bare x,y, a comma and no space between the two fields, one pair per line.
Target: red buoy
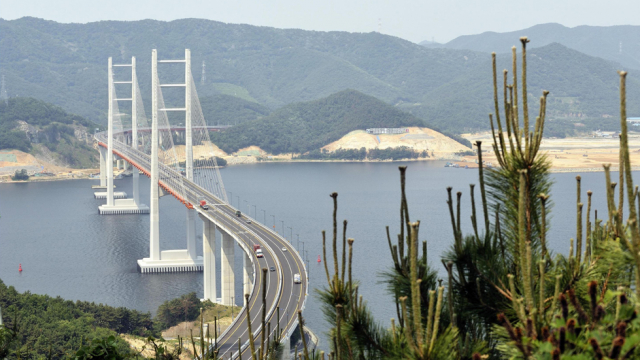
319,259
20,268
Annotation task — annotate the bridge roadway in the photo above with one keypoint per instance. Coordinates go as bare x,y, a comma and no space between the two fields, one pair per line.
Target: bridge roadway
281,291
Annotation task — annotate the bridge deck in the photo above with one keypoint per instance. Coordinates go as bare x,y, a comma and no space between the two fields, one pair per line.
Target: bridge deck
281,291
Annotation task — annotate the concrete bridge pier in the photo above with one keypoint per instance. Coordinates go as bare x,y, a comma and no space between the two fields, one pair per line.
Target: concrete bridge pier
226,271
103,172
209,259
286,352
103,169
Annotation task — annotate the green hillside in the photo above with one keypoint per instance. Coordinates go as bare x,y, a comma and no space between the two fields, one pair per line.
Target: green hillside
307,126
48,132
584,89
231,110
616,43
65,64
250,69
56,327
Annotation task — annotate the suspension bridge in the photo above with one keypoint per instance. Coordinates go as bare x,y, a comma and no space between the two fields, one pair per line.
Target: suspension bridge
148,147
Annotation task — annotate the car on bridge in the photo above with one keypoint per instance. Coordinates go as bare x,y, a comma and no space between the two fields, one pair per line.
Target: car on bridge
297,279
204,205
238,213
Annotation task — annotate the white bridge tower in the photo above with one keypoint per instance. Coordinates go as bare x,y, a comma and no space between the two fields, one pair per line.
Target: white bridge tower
117,203
170,260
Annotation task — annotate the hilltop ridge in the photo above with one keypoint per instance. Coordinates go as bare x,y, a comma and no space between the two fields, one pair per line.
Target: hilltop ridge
252,70
307,126
616,43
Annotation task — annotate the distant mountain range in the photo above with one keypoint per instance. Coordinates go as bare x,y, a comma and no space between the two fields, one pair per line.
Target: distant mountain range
251,71
616,43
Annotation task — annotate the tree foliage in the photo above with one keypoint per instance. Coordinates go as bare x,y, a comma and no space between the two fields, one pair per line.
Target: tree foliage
26,124
45,325
304,127
184,308
399,153
21,175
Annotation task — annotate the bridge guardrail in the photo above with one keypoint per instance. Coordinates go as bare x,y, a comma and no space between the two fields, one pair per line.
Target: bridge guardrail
278,291
304,302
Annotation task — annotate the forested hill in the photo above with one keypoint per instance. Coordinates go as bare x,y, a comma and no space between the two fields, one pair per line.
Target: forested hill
231,110
583,90
308,126
250,69
616,43
66,64
47,132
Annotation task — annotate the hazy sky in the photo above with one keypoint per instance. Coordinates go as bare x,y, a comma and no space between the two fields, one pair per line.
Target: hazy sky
413,20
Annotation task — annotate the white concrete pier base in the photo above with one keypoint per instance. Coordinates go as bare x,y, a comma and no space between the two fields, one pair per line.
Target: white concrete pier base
171,261
209,259
122,207
116,195
226,270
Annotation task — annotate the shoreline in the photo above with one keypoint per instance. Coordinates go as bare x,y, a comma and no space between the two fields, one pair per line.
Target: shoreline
552,170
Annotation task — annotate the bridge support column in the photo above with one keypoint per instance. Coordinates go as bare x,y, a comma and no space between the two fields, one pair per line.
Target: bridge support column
154,226
110,139
103,170
191,233
247,274
191,223
103,166
286,351
209,259
134,128
226,271
136,185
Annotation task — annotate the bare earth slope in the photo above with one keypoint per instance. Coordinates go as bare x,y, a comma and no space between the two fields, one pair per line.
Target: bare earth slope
438,145
573,154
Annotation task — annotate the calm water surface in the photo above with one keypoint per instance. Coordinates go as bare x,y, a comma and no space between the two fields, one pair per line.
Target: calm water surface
66,249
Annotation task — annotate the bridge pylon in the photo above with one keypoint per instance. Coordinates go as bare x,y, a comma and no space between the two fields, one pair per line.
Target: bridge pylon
170,260
117,202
